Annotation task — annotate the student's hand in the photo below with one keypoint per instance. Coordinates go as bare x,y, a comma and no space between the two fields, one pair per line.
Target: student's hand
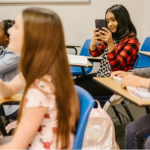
133,80
96,37
106,36
120,74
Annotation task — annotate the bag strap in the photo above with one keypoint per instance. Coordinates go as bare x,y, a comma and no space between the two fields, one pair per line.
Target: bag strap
98,105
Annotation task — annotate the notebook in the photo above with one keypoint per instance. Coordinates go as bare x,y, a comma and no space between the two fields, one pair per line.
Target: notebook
77,60
140,93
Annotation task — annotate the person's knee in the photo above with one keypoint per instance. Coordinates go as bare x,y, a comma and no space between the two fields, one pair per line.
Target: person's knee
130,130
147,143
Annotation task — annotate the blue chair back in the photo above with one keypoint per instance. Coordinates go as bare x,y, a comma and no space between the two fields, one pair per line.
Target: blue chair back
136,61
84,52
86,104
85,49
144,60
146,45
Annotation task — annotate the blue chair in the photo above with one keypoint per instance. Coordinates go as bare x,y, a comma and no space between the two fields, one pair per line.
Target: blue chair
144,60
136,61
86,104
77,71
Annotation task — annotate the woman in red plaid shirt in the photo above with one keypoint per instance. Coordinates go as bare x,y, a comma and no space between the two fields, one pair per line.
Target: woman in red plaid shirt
118,44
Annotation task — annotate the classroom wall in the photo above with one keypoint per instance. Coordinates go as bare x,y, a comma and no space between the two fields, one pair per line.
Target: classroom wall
146,19
78,19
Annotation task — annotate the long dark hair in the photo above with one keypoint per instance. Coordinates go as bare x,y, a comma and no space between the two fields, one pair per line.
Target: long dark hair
43,53
125,25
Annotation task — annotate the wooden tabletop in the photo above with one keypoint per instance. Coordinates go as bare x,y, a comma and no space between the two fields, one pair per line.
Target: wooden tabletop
112,85
145,53
15,98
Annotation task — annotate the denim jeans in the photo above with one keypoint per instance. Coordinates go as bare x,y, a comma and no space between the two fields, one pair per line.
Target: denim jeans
136,131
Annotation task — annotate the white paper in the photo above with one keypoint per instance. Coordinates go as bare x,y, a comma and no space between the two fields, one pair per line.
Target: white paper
75,59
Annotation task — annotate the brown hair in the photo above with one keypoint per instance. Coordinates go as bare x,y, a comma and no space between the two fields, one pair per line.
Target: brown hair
43,53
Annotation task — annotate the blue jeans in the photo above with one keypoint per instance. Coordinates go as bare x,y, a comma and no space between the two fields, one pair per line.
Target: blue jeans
136,131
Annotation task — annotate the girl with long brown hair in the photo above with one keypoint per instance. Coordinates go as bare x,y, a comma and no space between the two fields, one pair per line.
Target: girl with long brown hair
49,110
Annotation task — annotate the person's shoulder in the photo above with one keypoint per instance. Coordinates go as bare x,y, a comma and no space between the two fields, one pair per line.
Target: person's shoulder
131,39
131,36
43,86
42,90
9,53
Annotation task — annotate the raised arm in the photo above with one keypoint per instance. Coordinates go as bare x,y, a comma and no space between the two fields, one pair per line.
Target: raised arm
96,50
8,89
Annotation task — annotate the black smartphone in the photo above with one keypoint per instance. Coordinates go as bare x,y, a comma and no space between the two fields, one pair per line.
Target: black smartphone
99,23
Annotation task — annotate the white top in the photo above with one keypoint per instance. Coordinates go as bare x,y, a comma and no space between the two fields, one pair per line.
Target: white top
45,137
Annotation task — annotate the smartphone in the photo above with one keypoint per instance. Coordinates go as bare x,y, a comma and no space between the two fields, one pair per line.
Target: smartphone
99,23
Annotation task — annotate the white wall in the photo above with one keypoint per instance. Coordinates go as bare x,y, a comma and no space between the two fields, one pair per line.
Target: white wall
146,20
78,19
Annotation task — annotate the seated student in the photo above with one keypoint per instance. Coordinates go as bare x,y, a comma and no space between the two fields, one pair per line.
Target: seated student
8,60
118,44
137,130
45,121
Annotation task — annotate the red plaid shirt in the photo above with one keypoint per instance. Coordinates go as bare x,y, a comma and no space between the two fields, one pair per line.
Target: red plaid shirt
124,54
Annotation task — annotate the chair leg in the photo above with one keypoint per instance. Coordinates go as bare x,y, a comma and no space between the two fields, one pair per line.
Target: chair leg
116,113
147,109
127,110
2,127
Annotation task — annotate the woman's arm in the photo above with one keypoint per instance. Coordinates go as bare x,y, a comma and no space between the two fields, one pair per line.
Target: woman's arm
8,89
125,57
142,72
27,128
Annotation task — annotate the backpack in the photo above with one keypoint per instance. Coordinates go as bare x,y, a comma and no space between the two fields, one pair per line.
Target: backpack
100,132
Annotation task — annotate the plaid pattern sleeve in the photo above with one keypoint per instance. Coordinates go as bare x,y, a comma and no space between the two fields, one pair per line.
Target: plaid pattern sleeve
98,51
124,54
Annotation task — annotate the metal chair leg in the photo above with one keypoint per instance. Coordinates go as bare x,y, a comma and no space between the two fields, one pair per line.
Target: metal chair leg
116,113
2,127
127,110
147,109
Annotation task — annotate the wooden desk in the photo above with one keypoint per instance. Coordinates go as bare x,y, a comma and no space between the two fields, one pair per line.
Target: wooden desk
15,98
144,53
112,85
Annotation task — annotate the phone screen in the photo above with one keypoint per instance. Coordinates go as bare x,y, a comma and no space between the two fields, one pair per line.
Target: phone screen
99,23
